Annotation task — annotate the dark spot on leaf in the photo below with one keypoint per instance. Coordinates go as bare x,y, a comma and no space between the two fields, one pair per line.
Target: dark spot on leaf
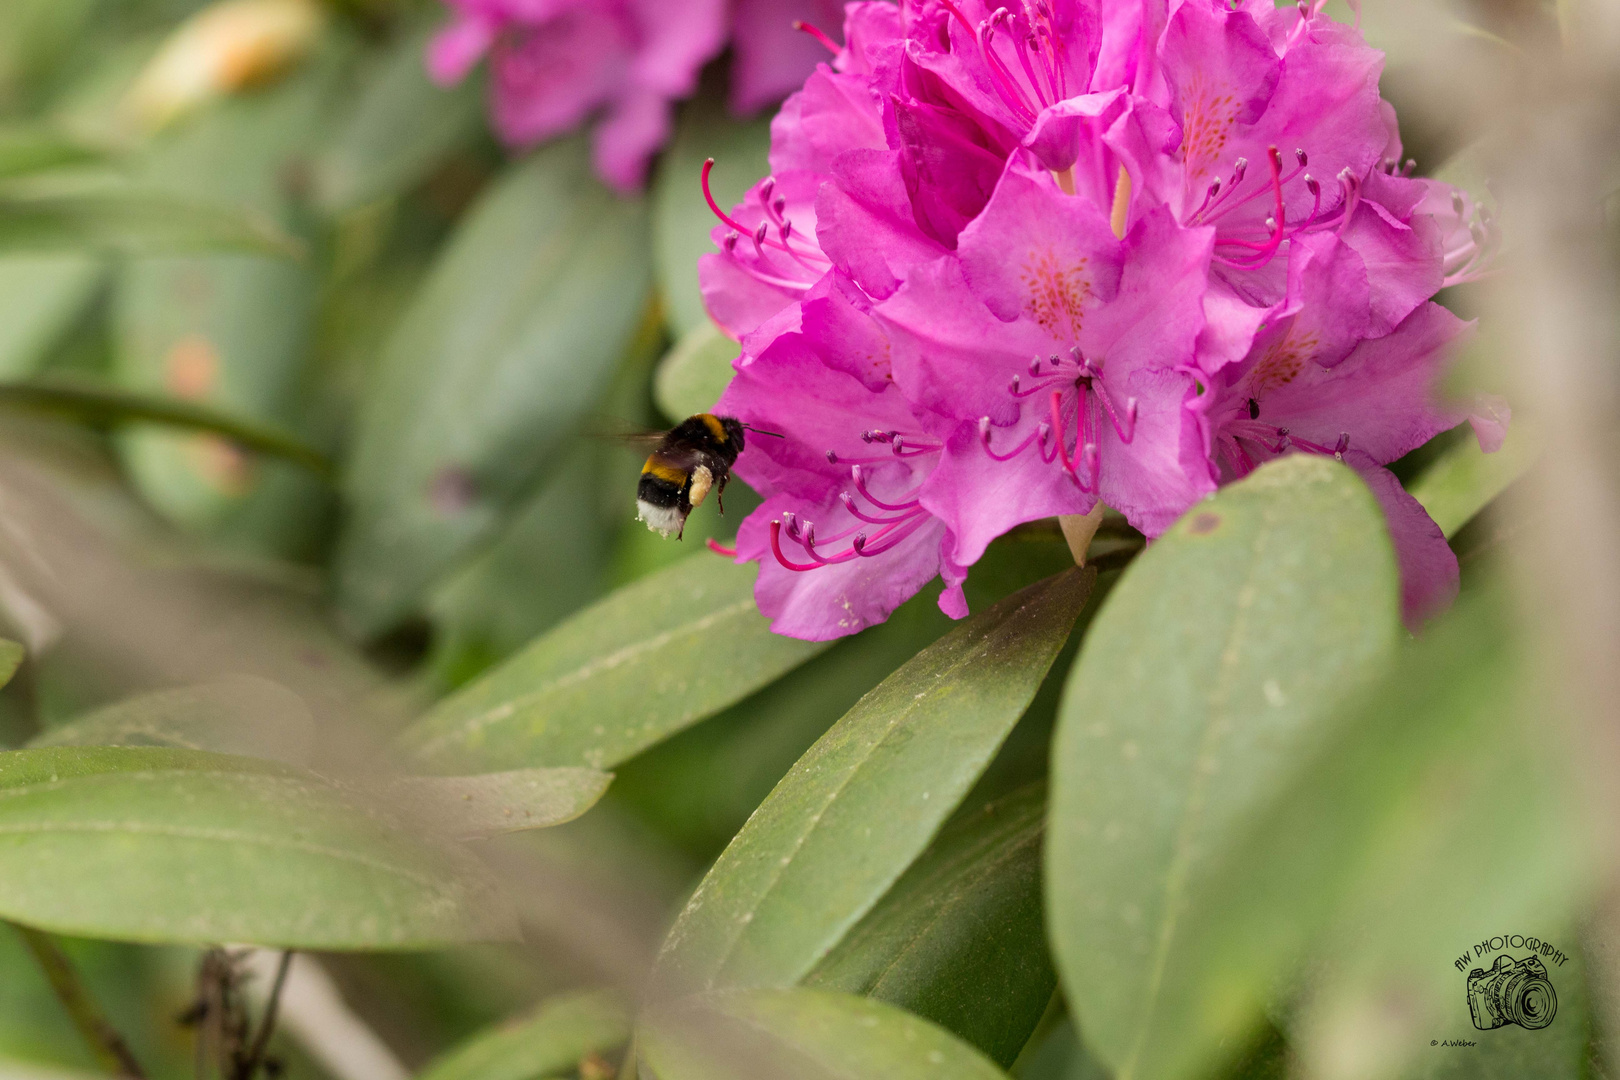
1204,524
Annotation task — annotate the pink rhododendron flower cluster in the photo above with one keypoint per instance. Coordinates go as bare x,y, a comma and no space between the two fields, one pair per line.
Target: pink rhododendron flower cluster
1012,262
556,63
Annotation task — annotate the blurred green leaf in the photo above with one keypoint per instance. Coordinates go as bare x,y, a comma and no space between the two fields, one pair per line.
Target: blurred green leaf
625,673
959,939
229,330
490,804
119,217
681,218
800,1035
40,297
12,655
548,563
1205,677
400,127
856,810
695,372
548,1042
1443,808
236,714
101,405
510,341
222,332
26,150
162,845
1465,479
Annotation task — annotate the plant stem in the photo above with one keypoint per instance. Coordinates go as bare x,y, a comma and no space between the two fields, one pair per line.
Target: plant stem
267,1024
108,1046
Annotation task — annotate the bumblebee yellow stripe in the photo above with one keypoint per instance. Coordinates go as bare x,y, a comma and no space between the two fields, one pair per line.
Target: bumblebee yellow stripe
664,472
713,423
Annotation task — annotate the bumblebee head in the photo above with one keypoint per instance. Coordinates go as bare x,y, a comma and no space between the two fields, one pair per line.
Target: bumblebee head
734,431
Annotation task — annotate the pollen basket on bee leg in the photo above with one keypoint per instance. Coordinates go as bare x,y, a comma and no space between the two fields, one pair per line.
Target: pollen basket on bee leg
702,482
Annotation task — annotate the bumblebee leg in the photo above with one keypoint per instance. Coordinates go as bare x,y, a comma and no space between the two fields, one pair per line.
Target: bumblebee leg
720,495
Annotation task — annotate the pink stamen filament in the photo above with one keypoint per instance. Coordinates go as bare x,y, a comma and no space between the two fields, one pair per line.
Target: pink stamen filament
720,549
760,241
860,485
804,27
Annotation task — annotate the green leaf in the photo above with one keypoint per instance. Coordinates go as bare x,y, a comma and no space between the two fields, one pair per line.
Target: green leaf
959,939
1465,479
12,655
512,338
1443,807
40,297
119,217
866,800
490,804
99,405
164,845
25,150
401,126
800,1035
694,374
237,714
650,659
1205,676
548,1042
681,218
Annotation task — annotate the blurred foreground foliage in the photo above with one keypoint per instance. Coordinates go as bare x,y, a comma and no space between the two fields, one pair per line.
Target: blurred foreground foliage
332,618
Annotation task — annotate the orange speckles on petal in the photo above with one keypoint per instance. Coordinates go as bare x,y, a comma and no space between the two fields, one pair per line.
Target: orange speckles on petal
1282,362
1206,127
191,370
1055,292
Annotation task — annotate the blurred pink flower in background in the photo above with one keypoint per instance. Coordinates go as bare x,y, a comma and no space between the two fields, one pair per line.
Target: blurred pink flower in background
554,64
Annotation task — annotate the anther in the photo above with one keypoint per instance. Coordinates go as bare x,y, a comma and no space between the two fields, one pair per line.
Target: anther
1313,185
859,544
786,229
765,189
759,233
984,428
1410,167
1457,205
1271,224
1013,385
779,205
1301,157
1342,445
731,241
1239,167
1053,359
1214,189
1035,366
899,443
832,457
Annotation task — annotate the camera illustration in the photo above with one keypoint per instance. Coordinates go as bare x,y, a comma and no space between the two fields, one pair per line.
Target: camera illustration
1511,992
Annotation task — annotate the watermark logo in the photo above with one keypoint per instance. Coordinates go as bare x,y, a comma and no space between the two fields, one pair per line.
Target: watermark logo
1514,989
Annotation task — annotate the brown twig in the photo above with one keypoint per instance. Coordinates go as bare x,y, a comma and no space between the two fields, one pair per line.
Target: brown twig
108,1046
267,1023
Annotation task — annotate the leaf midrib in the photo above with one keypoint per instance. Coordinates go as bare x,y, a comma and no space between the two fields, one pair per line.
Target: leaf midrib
1178,871
232,836
506,709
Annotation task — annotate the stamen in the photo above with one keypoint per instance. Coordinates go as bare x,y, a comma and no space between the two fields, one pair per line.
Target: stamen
720,549
860,486
804,27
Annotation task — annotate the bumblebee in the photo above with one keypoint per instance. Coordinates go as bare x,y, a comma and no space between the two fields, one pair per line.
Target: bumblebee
691,460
